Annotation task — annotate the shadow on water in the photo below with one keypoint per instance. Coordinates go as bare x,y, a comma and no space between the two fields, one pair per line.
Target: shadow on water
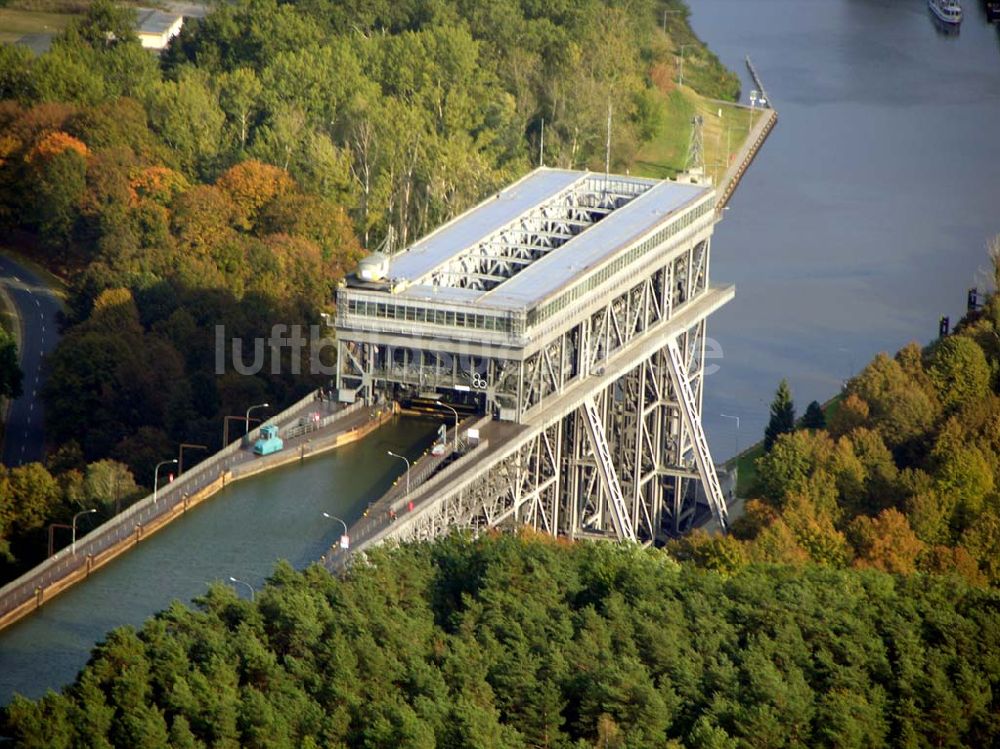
241,532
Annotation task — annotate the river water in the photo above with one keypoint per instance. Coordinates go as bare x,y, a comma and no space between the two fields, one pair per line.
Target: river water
865,217
241,532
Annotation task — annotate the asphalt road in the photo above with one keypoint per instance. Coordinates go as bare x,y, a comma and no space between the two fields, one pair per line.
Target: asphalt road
36,305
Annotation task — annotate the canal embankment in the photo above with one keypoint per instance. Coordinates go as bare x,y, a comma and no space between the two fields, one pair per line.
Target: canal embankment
763,122
320,433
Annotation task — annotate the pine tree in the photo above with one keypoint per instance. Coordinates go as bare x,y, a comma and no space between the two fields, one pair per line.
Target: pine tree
814,417
782,416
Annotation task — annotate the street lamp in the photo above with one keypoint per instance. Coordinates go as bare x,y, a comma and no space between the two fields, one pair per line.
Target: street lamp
753,103
259,405
737,441
328,516
407,470
665,18
253,593
156,476
456,421
82,512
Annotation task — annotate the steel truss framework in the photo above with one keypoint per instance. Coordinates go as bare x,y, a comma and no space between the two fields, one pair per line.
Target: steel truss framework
517,383
533,235
629,460
551,477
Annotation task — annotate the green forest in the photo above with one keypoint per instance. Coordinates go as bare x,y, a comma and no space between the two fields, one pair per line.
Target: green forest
527,641
234,180
904,475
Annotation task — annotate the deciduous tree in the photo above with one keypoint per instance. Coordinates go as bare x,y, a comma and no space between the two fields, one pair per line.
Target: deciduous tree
886,542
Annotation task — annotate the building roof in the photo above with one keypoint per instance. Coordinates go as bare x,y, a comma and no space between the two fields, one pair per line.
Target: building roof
155,22
478,223
432,268
590,248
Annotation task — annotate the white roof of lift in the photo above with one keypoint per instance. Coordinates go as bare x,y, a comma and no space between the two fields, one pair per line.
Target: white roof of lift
478,223
559,268
592,247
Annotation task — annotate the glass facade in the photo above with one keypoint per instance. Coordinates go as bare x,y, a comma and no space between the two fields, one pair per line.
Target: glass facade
540,314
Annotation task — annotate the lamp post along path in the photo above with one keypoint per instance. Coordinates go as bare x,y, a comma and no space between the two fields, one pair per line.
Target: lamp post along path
405,460
253,593
736,442
441,403
345,540
156,476
82,512
180,454
259,405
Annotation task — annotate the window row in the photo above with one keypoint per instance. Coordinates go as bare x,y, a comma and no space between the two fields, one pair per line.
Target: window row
540,314
431,316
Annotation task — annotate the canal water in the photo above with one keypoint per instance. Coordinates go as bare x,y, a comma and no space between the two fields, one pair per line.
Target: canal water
241,532
865,217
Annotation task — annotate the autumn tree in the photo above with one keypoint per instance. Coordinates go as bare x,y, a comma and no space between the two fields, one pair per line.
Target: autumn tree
251,185
851,413
57,170
959,372
899,408
886,542
963,472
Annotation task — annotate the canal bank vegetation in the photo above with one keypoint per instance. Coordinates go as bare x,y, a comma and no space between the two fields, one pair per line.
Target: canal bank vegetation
903,476
37,505
526,641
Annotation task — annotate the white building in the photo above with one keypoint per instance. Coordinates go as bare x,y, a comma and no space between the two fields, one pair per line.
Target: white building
156,27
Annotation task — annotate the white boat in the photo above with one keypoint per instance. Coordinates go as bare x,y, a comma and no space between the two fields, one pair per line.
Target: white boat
948,11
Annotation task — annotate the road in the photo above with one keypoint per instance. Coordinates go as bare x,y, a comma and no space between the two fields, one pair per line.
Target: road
36,306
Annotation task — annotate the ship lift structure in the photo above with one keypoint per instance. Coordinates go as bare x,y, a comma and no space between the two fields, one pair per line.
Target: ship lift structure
570,309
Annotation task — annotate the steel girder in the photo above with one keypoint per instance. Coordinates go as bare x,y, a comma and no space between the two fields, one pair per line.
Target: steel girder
551,481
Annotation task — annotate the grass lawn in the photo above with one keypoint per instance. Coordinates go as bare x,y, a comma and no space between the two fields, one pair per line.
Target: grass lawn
6,315
746,475
16,23
724,128
664,155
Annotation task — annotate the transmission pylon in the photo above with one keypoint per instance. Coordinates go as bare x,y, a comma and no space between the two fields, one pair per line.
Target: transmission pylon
696,156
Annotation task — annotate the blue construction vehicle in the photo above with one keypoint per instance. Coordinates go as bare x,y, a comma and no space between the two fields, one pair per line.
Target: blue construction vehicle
269,441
